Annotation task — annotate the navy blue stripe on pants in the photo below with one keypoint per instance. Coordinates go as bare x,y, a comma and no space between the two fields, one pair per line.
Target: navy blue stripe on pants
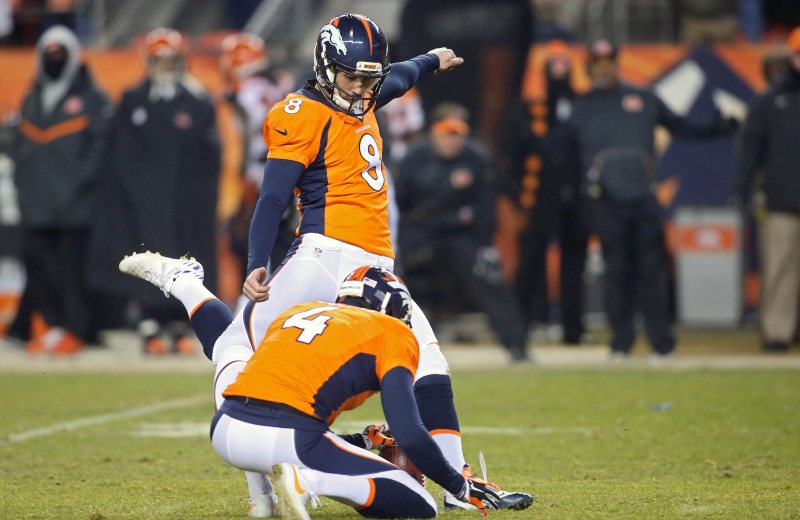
392,499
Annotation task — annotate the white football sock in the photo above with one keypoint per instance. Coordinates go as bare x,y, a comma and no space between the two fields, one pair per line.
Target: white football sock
258,484
450,444
191,292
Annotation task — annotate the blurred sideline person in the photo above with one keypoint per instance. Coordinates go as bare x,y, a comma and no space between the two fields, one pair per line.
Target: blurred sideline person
317,360
446,195
160,186
545,171
251,88
59,148
769,144
614,125
401,122
404,121
775,67
325,146
493,37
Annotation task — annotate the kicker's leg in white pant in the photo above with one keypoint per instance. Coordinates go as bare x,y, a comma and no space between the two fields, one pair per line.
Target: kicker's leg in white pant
434,392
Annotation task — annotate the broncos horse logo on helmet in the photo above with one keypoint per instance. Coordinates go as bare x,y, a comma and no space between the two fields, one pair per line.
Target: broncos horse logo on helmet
355,45
377,288
330,34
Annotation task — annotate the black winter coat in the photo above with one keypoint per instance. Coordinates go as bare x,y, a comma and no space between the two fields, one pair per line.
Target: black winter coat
58,156
160,187
614,130
545,173
439,197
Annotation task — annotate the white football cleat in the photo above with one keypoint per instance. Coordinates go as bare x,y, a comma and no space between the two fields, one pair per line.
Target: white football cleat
508,499
160,271
264,506
293,490
451,502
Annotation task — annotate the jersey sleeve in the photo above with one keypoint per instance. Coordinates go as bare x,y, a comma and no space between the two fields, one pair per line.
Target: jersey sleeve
293,128
401,349
404,75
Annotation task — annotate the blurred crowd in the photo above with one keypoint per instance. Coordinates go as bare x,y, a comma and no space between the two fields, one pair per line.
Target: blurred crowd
175,168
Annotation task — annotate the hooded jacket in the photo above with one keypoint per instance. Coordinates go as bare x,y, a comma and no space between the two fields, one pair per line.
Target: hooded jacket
60,140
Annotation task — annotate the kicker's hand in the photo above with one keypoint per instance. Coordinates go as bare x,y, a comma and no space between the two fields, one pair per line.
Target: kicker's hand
253,286
447,59
480,494
379,436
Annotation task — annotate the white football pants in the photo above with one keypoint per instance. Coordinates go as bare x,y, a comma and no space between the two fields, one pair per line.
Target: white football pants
330,467
313,271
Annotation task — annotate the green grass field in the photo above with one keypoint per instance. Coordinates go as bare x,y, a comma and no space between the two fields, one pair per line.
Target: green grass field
636,443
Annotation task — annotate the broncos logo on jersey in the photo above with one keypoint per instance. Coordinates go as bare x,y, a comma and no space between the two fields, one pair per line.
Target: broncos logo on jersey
330,34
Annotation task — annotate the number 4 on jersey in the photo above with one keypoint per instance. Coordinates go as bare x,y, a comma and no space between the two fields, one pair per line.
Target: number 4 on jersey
311,327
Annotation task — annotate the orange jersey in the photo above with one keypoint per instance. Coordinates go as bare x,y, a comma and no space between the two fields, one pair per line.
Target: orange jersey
342,192
322,359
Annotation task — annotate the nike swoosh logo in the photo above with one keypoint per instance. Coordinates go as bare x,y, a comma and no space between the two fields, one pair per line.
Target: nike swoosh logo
297,486
282,132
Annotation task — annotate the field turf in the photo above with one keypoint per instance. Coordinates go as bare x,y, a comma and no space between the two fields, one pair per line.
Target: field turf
639,443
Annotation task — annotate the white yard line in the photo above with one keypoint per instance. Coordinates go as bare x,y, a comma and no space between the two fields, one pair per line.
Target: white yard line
186,402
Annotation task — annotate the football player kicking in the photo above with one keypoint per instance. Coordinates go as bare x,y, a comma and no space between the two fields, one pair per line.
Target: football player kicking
317,360
324,145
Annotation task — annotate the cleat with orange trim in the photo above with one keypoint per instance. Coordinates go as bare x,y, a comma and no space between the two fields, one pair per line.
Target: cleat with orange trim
508,499
39,330
68,345
35,346
160,271
293,491
185,346
39,326
55,341
155,346
264,506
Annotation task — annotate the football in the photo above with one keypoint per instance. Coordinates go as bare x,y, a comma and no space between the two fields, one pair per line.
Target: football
397,456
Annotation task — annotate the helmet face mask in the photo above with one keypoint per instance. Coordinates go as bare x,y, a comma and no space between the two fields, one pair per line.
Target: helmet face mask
354,45
380,290
165,49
